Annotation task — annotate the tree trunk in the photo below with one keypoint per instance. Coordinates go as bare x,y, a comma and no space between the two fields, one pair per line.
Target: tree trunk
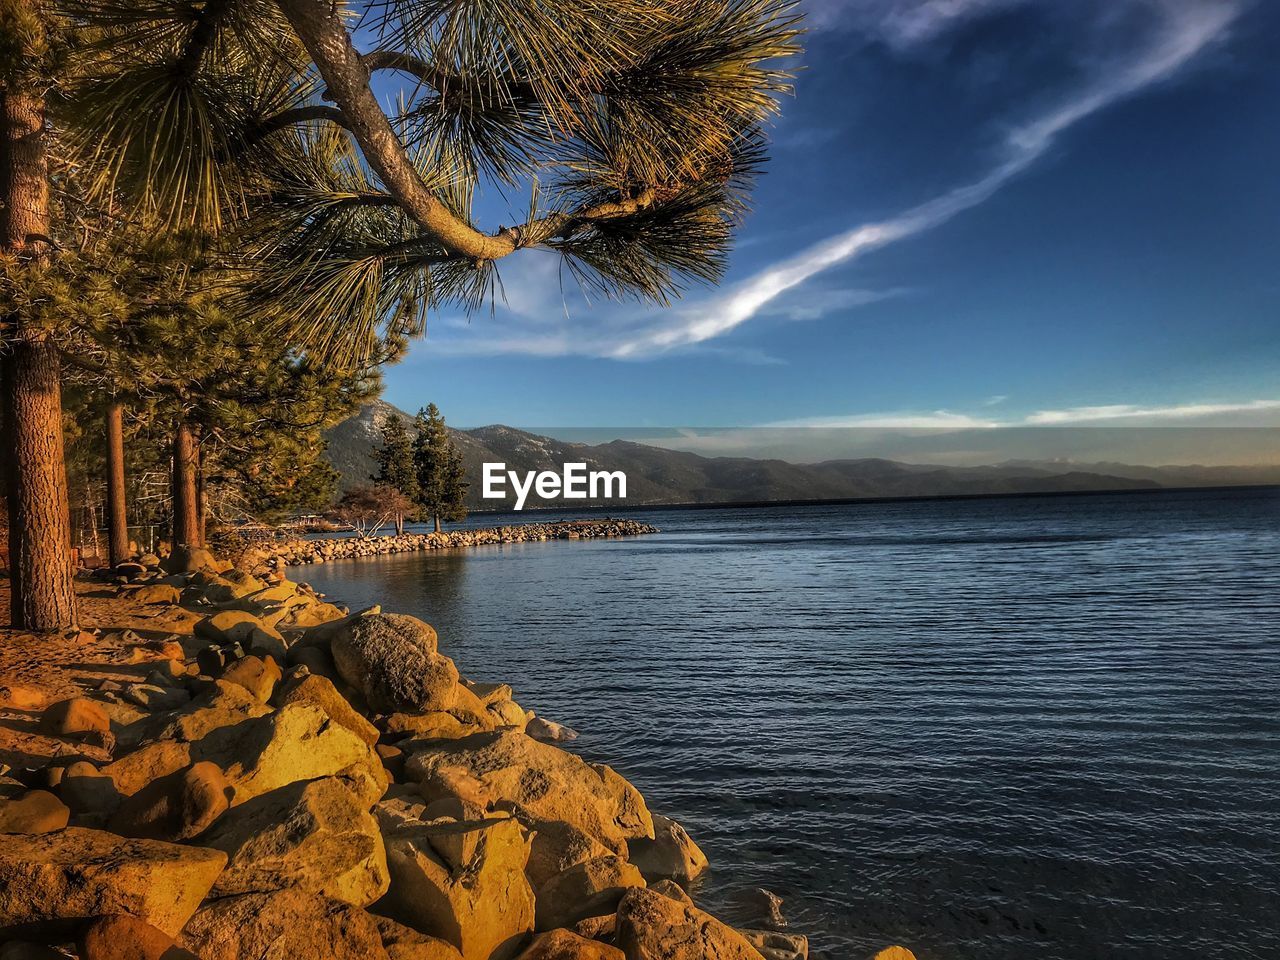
40,564
117,517
202,505
41,570
186,519
399,524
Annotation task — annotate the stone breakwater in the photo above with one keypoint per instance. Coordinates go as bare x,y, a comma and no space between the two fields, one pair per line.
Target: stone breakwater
292,779
298,551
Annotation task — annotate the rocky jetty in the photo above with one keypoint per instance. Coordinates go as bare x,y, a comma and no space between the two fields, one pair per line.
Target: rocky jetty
293,779
297,551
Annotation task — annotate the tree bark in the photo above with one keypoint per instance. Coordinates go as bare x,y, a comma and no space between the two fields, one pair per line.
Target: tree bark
186,518
202,504
40,559
117,517
40,564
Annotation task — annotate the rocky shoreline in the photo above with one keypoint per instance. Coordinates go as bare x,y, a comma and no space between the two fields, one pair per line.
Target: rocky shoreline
298,551
291,779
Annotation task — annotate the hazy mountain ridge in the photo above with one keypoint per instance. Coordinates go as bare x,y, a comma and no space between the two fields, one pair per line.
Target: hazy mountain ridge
657,475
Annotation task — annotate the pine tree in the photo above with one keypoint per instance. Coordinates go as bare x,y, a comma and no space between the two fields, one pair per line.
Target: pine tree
441,483
396,467
455,488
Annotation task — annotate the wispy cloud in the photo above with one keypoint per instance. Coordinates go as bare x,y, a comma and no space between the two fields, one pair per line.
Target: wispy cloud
1241,413
901,23
901,420
817,304
1186,28
1122,413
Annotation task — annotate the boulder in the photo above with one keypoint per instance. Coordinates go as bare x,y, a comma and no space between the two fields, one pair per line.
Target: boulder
405,943
402,806
672,890
234,626
118,936
672,853
542,782
651,926
589,889
565,945
267,644
156,593
548,731
176,807
311,614
489,693
188,559
894,953
36,811
557,846
285,924
156,696
508,713
77,717
783,946
224,704
392,660
21,696
435,725
54,881
463,883
86,789
314,836
311,688
296,742
256,675
597,928
135,770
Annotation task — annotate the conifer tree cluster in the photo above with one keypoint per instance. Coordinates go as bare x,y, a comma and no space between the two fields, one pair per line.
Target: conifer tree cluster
293,230
425,468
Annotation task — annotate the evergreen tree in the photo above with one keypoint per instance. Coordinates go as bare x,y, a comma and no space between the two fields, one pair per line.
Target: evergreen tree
438,464
455,488
396,467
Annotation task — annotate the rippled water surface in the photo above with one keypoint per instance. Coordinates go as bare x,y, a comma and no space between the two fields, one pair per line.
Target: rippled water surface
997,729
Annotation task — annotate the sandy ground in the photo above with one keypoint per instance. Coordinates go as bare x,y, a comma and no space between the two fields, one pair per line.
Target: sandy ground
36,670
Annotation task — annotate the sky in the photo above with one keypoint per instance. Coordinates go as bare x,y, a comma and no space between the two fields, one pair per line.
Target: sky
977,213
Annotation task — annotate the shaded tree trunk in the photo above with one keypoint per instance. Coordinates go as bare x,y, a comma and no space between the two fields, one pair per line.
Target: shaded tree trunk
186,510
117,516
40,562
202,505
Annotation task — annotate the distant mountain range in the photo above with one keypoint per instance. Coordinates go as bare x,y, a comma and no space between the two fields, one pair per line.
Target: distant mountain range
659,476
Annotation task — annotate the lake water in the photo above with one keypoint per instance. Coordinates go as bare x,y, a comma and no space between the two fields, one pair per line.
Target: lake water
989,730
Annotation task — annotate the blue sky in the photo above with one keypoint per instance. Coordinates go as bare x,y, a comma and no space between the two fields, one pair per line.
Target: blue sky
978,212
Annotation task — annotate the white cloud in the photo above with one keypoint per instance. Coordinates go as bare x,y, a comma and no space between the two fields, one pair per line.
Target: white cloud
1241,413
901,23
1127,413
817,304
934,420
